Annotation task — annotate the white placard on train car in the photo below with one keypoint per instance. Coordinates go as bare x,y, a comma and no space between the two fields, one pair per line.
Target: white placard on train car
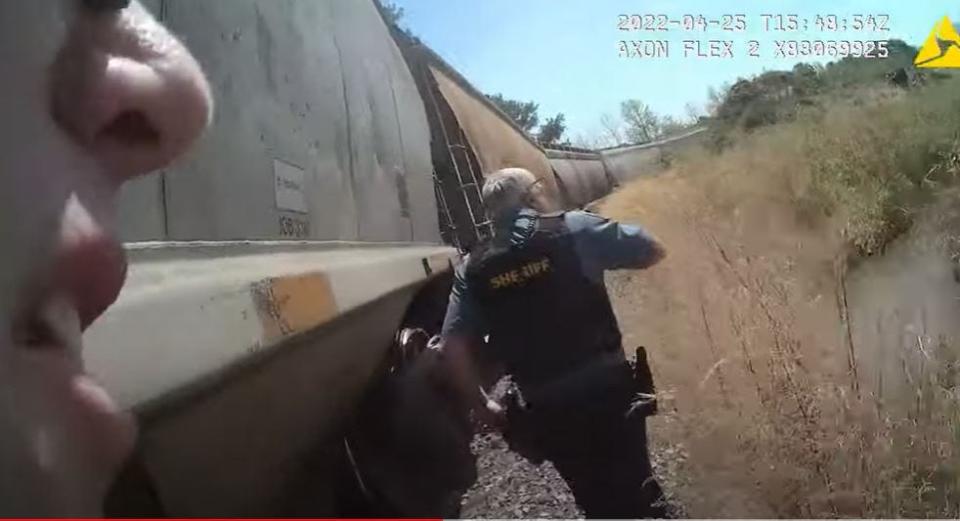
289,187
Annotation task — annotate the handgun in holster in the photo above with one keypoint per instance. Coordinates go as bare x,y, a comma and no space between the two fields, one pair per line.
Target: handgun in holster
646,392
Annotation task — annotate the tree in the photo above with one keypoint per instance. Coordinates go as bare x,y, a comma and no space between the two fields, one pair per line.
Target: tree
643,125
392,12
524,114
693,112
899,48
613,129
590,142
671,126
716,97
552,129
807,80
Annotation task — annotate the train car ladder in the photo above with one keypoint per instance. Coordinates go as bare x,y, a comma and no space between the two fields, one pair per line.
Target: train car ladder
468,177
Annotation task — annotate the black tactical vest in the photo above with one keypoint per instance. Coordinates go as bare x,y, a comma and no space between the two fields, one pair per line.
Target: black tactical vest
546,317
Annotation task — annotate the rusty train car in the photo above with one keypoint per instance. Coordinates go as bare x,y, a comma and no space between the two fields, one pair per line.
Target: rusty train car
271,269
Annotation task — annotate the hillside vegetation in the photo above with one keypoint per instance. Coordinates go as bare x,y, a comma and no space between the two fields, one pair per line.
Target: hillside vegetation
810,172
863,141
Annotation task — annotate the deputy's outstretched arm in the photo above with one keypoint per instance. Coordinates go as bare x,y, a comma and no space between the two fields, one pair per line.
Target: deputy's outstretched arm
617,246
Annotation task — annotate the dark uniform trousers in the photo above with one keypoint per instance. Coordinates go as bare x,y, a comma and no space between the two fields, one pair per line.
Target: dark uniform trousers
554,330
595,435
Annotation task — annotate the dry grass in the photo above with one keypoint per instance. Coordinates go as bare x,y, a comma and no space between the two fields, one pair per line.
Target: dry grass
913,456
747,320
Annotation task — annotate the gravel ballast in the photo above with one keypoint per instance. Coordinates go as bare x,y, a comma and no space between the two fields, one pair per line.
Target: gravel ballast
509,486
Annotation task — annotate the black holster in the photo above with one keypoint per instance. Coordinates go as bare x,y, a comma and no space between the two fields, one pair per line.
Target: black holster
646,390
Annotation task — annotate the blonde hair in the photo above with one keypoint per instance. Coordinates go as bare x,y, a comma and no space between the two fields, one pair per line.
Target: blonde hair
507,190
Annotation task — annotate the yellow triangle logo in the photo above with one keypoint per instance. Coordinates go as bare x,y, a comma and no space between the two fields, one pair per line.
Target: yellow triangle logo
942,48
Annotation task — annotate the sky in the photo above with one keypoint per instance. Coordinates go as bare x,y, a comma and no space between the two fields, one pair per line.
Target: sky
566,54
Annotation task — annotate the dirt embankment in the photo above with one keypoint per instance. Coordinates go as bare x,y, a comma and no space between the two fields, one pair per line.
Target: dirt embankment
776,398
905,304
743,325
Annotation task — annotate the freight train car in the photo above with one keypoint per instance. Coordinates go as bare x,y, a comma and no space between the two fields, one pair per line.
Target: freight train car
582,175
271,269
627,162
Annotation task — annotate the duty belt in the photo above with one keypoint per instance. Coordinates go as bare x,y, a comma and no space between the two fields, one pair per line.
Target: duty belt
525,405
602,370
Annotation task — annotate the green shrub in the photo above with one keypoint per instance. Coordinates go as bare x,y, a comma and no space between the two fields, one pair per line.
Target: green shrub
874,161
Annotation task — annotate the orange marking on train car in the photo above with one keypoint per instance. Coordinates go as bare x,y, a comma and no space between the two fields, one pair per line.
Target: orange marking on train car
291,305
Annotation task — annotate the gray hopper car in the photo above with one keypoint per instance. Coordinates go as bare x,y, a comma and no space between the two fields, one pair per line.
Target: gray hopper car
271,269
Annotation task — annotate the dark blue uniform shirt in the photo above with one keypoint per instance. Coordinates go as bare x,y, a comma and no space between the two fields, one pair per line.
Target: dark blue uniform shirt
602,244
